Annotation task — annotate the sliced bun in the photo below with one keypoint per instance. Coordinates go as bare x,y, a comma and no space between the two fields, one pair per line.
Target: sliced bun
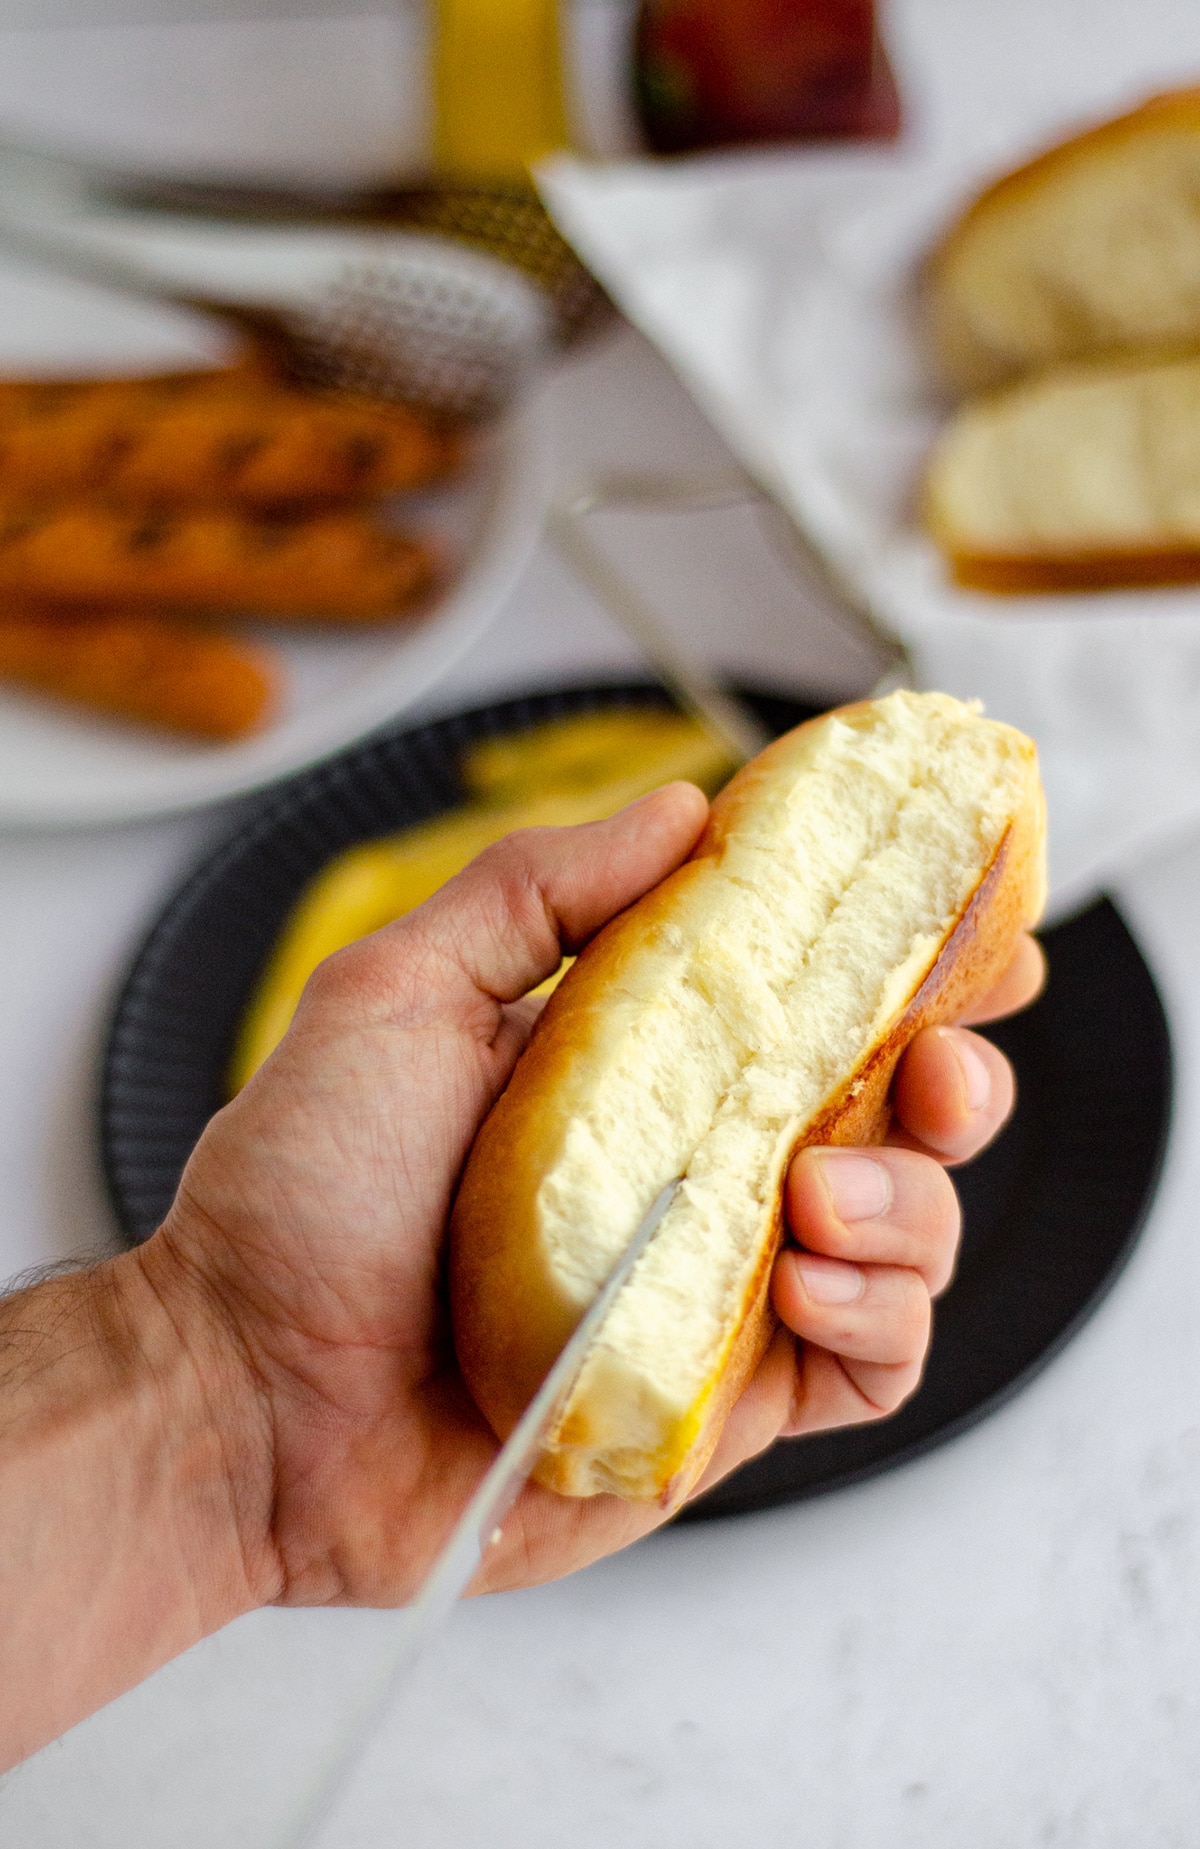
1082,478
1092,248
864,876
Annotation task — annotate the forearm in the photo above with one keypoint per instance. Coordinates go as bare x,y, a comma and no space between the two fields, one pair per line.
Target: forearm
133,1484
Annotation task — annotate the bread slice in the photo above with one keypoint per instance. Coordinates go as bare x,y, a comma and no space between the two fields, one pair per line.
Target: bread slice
1082,478
1092,248
865,875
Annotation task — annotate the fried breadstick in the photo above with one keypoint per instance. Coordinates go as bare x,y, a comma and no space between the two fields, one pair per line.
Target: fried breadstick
332,567
232,437
141,668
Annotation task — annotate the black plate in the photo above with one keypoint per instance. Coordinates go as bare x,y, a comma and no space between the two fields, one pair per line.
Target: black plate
1051,1212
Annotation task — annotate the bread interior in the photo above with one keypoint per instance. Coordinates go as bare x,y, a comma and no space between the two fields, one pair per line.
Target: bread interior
1090,459
748,1006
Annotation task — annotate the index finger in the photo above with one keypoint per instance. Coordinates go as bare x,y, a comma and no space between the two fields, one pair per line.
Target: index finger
1021,983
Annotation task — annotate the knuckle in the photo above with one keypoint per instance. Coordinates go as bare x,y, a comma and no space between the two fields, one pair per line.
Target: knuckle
908,1315
940,1222
340,978
833,1238
511,860
897,1387
926,1213
386,970
918,1314
509,857
944,1257
511,867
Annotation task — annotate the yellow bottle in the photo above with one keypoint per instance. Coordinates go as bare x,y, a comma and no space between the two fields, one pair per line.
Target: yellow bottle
499,100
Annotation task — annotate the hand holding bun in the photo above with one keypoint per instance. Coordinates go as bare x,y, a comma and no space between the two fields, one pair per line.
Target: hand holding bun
313,1212
265,1396
868,876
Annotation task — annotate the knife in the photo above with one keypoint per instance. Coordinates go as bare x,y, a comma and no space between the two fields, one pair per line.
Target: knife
478,1529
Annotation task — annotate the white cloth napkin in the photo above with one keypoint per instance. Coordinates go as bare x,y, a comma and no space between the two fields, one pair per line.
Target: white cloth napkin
781,287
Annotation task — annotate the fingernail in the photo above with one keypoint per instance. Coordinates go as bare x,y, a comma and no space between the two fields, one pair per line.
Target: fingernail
977,1080
860,1188
830,1280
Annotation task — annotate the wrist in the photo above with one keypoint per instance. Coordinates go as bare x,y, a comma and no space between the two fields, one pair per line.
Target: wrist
212,1417
135,1488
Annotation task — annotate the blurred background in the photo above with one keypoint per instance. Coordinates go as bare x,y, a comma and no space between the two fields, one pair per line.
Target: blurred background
329,90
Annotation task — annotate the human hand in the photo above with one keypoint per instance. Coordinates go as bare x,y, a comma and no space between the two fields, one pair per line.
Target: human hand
308,1231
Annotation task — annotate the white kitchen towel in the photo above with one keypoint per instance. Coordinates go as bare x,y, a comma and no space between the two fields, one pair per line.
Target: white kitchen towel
781,286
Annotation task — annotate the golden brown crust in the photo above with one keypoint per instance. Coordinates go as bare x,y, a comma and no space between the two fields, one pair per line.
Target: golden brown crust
1167,110
509,1312
1013,574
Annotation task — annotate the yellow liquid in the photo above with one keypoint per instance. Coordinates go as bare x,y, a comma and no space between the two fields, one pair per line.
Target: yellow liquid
498,87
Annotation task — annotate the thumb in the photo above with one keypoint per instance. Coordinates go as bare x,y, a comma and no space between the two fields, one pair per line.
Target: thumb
502,925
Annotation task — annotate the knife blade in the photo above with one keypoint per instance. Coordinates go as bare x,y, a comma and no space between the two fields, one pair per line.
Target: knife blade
478,1529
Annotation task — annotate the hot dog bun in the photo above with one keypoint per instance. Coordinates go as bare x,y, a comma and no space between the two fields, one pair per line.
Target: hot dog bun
864,876
1082,478
1091,249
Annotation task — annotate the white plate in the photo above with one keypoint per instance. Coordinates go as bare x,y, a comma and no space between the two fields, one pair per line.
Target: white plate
59,768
